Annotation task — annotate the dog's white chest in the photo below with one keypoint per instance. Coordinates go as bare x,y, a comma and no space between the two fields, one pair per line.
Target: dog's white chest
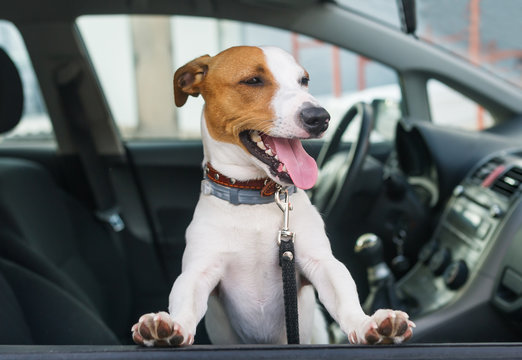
251,288
252,298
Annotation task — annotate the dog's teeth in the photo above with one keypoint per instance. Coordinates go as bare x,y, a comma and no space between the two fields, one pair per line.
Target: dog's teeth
276,157
285,169
261,145
255,137
269,152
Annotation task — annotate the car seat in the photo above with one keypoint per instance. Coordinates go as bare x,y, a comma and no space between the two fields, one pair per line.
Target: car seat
63,278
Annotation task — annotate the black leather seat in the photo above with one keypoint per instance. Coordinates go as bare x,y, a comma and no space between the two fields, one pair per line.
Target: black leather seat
63,278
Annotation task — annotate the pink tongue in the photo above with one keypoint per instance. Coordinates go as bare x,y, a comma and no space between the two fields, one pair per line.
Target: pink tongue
301,166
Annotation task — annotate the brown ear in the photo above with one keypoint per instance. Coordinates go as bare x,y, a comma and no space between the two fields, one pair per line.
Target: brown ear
188,79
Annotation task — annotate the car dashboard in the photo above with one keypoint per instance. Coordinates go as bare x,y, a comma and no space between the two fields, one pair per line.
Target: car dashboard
472,262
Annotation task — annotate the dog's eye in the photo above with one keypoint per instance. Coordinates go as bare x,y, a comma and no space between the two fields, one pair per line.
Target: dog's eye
253,81
304,81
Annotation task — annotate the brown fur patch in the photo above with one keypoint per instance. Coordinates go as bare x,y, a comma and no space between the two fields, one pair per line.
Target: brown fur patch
188,78
231,105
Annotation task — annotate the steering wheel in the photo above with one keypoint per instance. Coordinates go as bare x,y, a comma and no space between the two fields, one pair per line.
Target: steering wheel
337,170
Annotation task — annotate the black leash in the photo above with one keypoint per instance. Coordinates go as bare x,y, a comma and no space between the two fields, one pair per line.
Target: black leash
287,262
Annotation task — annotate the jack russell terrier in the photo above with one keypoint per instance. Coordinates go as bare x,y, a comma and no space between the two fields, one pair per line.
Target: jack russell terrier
257,109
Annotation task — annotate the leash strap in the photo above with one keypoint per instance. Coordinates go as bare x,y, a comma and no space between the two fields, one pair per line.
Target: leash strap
287,262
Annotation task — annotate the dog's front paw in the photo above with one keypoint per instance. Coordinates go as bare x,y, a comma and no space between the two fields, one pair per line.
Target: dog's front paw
158,329
383,327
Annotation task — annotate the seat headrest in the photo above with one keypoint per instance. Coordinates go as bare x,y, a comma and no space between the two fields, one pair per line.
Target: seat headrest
11,94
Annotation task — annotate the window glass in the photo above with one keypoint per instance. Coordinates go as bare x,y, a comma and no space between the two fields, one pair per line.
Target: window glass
146,50
35,125
451,108
385,11
485,33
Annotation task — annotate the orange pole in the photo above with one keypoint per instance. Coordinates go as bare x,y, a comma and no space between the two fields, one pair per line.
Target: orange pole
474,47
474,31
336,71
295,46
361,72
480,117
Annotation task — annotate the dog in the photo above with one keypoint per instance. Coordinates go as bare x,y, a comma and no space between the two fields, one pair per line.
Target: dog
257,109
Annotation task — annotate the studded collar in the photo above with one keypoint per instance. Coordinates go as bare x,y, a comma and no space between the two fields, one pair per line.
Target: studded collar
258,191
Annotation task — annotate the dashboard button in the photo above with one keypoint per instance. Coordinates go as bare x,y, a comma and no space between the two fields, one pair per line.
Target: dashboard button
459,190
427,252
440,261
483,230
456,274
496,211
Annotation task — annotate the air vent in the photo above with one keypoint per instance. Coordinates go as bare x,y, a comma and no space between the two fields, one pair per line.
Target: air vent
508,183
485,170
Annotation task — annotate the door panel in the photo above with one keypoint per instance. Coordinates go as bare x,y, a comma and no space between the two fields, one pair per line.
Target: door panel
169,176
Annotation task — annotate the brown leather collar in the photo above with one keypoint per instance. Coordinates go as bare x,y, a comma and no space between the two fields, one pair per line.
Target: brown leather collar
266,186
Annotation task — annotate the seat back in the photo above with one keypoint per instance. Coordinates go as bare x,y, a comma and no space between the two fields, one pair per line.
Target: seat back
52,242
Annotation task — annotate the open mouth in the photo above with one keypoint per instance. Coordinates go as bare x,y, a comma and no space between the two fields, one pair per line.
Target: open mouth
286,158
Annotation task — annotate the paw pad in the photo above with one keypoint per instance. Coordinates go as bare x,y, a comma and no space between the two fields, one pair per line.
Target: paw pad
384,327
159,330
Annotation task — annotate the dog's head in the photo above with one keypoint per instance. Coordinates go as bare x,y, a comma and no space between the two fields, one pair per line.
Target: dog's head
257,98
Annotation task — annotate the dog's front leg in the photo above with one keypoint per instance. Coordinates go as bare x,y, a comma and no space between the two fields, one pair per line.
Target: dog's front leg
338,293
187,303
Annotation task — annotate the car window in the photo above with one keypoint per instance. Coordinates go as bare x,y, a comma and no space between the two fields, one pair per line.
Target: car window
484,33
145,51
450,108
35,125
384,11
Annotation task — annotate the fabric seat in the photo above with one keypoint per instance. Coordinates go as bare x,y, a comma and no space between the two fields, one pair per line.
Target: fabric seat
59,266
37,311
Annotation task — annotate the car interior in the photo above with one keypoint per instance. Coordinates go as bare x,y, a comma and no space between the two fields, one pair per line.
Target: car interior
92,225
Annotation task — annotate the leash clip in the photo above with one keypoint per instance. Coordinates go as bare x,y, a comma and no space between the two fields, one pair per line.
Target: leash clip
284,234
285,240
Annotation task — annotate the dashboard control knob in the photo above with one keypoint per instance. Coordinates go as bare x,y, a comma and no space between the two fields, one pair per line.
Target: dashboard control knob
496,211
427,252
369,247
440,261
459,190
456,274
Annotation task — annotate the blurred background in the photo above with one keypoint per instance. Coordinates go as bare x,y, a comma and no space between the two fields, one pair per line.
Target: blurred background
135,58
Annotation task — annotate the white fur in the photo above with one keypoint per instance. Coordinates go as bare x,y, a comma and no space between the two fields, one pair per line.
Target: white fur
234,246
241,256
290,96
231,254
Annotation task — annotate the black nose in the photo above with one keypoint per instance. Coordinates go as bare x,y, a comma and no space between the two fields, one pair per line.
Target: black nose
315,120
